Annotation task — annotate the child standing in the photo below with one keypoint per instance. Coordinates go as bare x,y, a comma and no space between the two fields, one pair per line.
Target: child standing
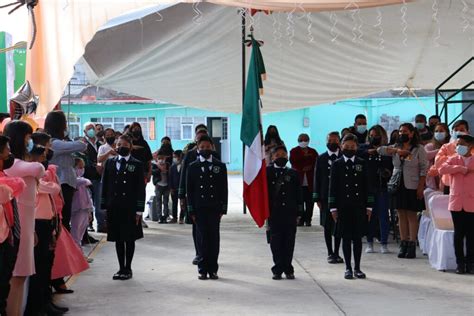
286,209
350,203
461,201
82,205
160,171
174,176
123,196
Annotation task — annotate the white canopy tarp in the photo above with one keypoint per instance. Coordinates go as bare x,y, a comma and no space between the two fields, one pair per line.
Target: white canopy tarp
182,57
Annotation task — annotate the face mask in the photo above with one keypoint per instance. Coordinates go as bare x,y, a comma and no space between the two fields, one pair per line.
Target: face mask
462,150
303,144
49,155
349,153
8,163
361,129
90,133
332,146
110,140
205,153
137,133
403,138
420,126
175,160
281,162
123,151
440,136
80,172
30,145
455,135
375,141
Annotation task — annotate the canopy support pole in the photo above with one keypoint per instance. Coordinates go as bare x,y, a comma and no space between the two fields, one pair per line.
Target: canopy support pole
244,22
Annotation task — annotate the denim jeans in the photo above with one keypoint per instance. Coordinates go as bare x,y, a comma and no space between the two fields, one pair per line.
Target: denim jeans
379,215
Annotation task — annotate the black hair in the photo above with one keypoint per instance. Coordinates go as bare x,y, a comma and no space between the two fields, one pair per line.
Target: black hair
279,147
17,130
461,122
109,129
415,141
166,138
435,117
205,138
40,138
55,124
334,133
467,138
178,153
420,116
77,160
360,116
37,150
125,129
126,138
350,138
199,127
276,138
3,142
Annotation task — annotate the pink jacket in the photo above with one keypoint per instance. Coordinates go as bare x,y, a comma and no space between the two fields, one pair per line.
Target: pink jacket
6,194
461,183
446,151
47,189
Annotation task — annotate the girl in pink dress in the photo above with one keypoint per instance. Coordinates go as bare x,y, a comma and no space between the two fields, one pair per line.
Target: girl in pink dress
20,144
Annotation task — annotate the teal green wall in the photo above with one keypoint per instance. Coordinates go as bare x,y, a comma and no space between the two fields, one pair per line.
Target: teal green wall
322,118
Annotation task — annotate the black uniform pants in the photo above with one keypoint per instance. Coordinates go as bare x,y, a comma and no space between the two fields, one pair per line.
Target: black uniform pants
282,244
463,229
308,206
68,193
208,239
38,292
174,204
8,254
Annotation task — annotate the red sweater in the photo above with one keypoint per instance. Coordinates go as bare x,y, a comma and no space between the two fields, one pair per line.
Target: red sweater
304,164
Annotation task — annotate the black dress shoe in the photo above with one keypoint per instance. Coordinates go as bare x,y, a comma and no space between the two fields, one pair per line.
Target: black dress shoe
213,276
359,274
60,290
202,276
461,268
118,275
332,259
339,259
60,308
470,268
348,275
290,276
276,277
196,260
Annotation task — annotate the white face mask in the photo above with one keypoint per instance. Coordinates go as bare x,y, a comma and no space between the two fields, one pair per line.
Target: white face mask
455,135
303,144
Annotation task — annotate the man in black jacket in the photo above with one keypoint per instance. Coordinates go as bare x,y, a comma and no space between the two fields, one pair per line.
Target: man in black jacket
286,208
206,192
321,194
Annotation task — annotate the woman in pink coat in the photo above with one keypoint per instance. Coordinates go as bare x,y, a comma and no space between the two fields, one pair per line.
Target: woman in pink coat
441,136
460,167
20,145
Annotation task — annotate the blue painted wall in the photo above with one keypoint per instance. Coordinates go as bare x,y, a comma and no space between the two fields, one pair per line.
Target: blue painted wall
320,119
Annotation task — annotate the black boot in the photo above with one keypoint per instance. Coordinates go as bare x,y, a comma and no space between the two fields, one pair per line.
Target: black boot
461,268
411,252
403,249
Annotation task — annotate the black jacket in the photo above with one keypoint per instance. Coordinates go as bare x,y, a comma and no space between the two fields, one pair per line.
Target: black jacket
90,157
174,176
124,189
190,157
322,174
206,186
285,195
349,185
380,169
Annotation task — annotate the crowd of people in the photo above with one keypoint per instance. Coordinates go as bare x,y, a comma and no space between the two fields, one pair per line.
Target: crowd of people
52,188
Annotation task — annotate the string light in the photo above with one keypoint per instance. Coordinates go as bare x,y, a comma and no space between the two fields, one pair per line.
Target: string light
276,29
290,29
379,25
404,23
197,19
334,31
435,8
160,17
466,24
309,28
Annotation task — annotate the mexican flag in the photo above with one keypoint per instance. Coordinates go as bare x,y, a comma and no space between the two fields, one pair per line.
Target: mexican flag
255,177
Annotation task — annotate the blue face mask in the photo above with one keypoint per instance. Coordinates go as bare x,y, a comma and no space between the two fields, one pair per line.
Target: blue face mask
462,150
29,146
361,129
420,126
456,134
440,136
90,133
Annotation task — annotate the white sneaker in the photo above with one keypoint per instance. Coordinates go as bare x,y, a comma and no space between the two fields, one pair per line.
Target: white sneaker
384,249
370,247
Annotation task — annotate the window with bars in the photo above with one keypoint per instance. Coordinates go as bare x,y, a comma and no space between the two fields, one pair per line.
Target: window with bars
119,123
182,128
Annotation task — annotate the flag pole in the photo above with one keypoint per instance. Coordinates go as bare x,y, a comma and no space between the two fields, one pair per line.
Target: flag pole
243,88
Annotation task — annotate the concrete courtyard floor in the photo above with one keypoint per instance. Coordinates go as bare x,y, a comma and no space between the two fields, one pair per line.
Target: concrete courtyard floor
165,282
